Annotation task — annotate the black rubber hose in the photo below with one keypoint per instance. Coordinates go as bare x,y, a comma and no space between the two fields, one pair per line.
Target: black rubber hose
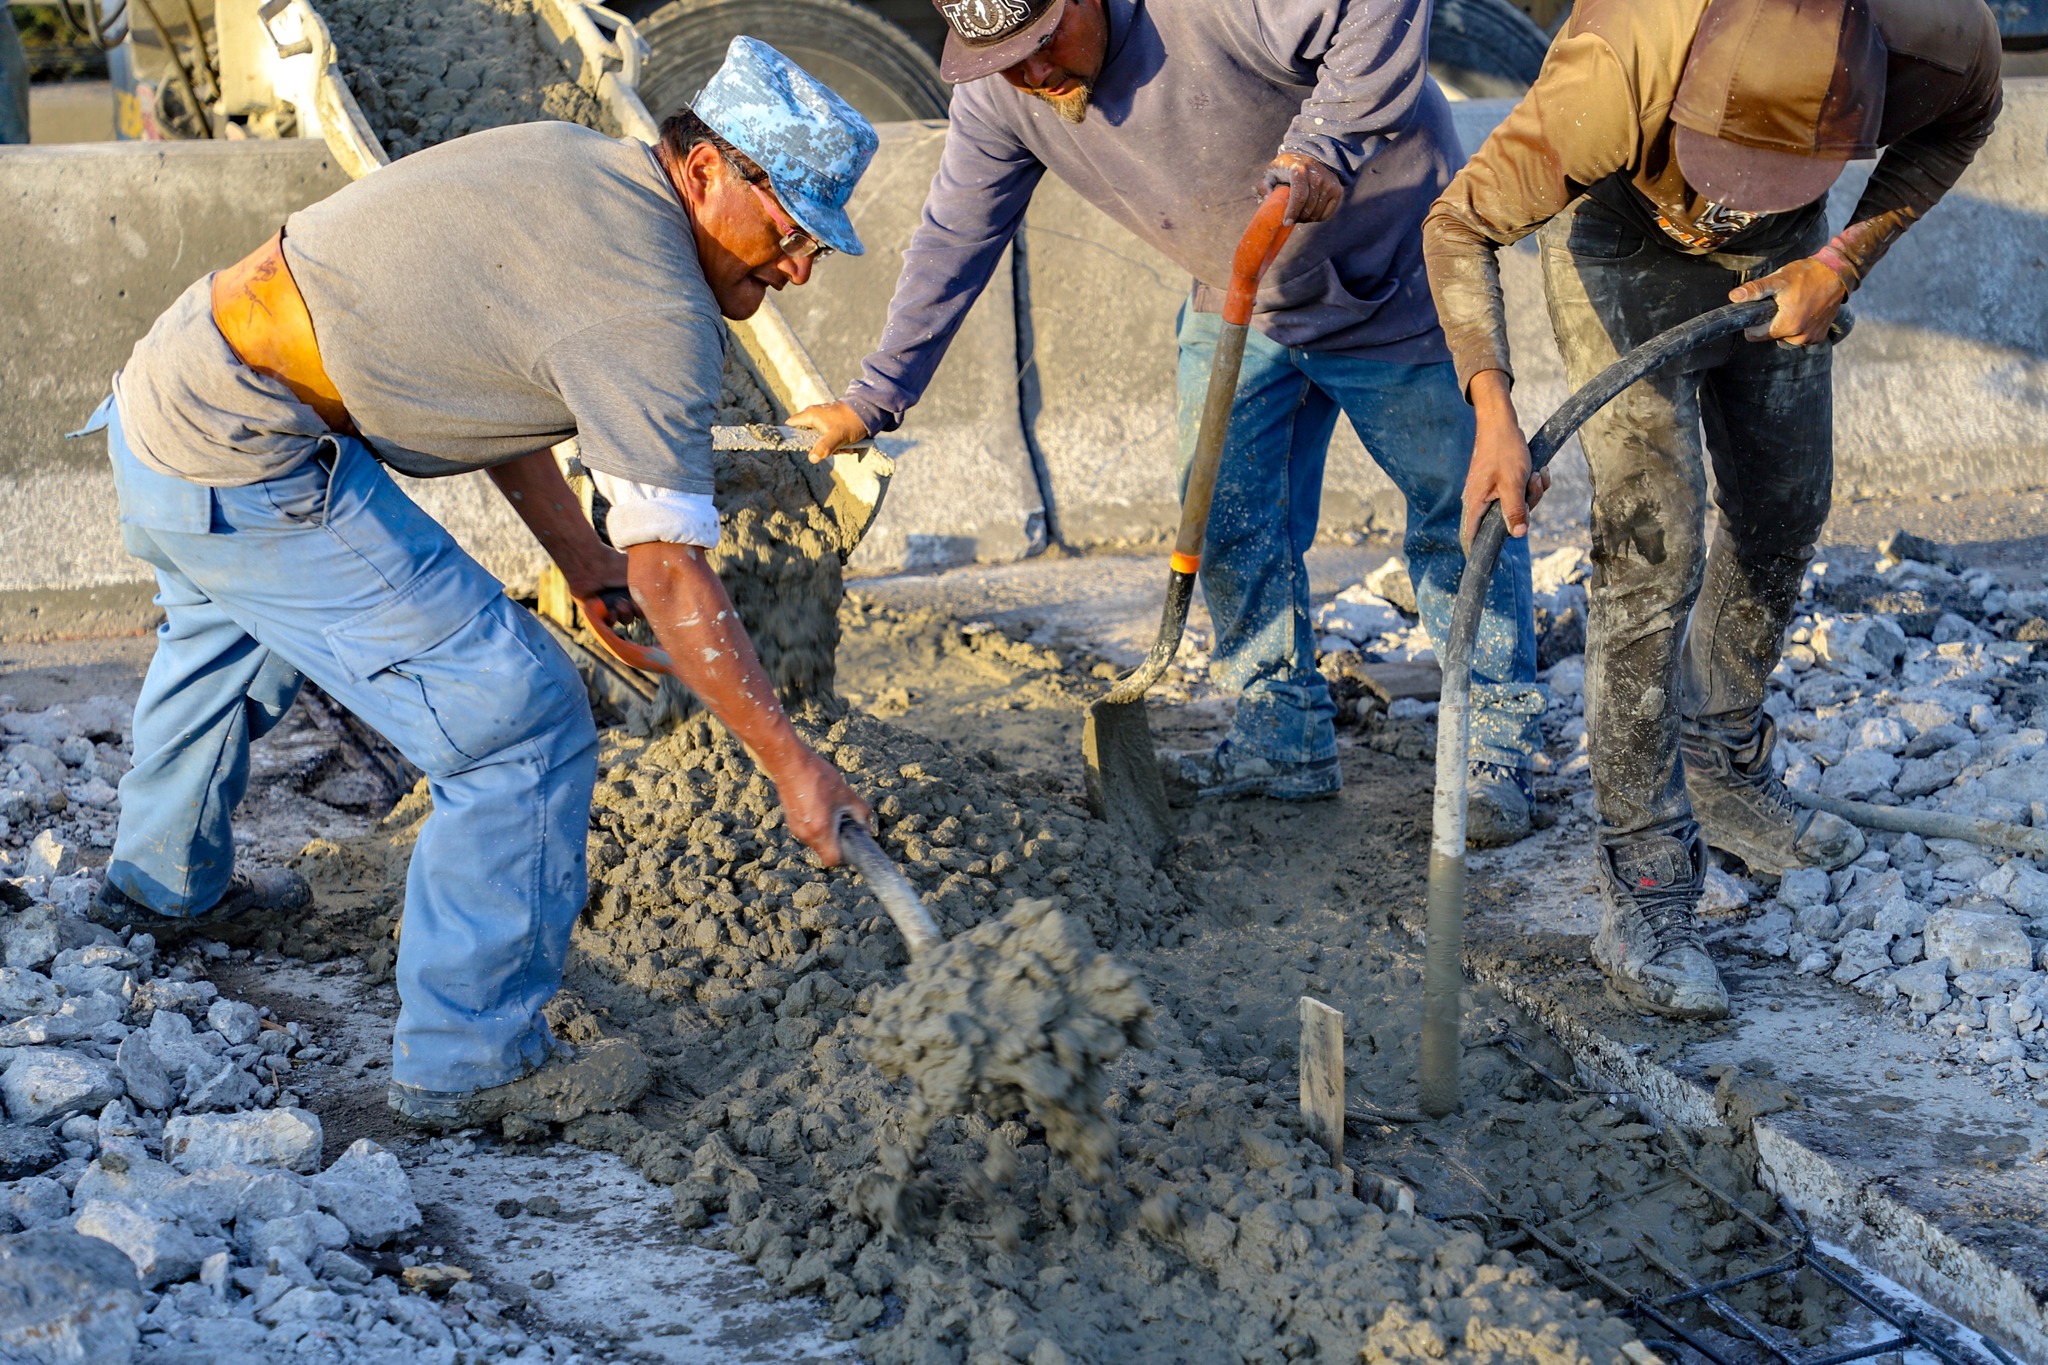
1444,942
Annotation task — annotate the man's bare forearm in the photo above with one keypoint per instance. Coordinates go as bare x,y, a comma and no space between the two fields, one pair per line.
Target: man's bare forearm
709,651
534,485
693,617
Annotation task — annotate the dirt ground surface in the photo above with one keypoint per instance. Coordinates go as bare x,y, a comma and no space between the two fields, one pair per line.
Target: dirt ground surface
1221,1234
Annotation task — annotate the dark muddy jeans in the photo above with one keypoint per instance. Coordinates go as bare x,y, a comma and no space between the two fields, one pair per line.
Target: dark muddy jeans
1680,627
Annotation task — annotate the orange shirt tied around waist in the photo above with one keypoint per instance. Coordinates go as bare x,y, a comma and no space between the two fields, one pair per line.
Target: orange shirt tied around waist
257,306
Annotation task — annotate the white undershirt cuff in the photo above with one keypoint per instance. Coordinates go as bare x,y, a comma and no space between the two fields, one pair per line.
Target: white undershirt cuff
645,512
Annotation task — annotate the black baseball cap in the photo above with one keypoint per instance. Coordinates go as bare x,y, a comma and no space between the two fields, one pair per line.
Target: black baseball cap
987,36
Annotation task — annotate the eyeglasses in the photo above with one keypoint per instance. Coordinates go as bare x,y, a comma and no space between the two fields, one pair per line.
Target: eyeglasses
794,242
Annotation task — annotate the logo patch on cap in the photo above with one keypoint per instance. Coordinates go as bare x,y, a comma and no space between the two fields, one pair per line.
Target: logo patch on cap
981,20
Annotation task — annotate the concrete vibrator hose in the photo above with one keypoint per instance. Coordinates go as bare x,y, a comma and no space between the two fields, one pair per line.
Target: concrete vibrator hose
1444,947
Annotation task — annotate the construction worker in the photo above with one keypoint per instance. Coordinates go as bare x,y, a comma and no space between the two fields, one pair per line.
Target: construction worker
473,305
1677,155
1173,119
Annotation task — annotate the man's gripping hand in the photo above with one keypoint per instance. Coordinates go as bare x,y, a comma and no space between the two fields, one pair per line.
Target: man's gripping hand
1809,294
1500,461
837,425
812,793
1313,190
614,600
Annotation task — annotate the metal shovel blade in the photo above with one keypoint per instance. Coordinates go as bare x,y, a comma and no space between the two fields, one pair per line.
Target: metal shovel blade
1124,786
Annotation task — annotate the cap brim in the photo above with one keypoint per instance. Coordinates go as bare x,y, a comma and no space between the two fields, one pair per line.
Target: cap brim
962,61
1752,179
826,222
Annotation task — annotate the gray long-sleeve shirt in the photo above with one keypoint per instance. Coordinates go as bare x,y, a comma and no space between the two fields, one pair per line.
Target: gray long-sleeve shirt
1194,99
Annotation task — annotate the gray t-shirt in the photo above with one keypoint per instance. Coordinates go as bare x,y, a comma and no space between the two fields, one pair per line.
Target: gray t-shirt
474,302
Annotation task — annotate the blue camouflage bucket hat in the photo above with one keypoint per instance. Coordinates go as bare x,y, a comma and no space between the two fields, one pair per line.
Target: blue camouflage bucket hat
813,144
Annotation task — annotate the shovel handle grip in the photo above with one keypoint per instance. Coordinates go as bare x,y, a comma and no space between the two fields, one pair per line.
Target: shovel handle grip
1261,242
598,611
1256,250
890,886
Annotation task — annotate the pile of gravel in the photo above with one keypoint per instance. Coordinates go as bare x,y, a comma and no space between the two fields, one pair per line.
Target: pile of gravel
149,1115
1909,682
60,770
1914,684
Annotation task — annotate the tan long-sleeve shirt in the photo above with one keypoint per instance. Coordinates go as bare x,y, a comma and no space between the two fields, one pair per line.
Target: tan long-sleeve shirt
1600,112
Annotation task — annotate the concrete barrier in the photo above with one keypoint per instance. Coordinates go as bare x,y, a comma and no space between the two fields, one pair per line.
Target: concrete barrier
104,236
1095,315
99,239
965,488
1943,386
1942,389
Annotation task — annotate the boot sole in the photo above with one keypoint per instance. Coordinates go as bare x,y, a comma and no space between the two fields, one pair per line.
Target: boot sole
1624,991
1497,838
172,931
427,1123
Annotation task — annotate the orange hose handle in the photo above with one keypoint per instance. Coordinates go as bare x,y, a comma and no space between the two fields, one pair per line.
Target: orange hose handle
646,658
1255,252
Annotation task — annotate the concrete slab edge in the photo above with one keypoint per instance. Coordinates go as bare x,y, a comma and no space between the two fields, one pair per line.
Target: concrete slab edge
1839,1203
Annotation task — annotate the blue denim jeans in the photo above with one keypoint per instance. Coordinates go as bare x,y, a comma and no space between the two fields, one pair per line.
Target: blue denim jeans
330,572
1269,492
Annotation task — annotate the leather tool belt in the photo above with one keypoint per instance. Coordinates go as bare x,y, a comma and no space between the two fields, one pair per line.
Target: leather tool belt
259,310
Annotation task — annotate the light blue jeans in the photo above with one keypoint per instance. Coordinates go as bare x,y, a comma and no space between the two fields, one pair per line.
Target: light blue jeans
330,572
1269,492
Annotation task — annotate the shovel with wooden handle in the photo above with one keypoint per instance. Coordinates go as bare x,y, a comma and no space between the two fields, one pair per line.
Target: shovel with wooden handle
1124,786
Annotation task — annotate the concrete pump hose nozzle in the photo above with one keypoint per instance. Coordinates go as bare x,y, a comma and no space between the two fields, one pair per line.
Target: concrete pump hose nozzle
1444,945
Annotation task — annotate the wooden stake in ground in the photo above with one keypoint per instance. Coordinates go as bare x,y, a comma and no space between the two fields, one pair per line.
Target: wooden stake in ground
1322,1078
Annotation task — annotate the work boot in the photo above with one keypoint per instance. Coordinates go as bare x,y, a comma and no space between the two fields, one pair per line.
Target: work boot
1499,806
1227,771
1743,808
1649,940
254,901
595,1078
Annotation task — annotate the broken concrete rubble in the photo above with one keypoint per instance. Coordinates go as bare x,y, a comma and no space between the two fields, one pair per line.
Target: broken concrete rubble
285,1138
160,1249
42,1084
117,1077
65,1297
1973,940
